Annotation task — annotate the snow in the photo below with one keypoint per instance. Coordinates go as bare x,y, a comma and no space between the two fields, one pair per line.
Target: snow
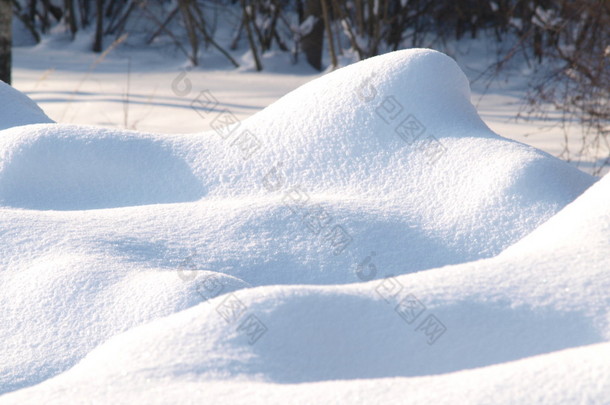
17,109
282,257
135,88
52,167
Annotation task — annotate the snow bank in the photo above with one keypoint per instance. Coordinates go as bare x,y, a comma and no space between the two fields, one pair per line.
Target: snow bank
395,137
18,109
548,298
47,167
381,168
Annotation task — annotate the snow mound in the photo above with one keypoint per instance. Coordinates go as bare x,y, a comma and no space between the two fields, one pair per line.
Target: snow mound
381,168
18,109
73,310
396,137
50,167
302,338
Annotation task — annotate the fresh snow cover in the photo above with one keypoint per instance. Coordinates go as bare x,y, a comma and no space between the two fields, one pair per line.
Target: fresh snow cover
493,312
227,266
139,89
17,109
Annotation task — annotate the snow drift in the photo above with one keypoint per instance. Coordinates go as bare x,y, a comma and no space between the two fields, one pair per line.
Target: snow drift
548,297
17,109
79,168
370,173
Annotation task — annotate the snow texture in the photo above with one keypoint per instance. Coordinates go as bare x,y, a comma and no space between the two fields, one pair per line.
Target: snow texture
280,259
17,109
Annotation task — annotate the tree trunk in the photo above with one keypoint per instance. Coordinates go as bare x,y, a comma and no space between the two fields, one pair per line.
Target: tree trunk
85,8
189,24
312,42
70,16
99,26
6,40
329,33
257,61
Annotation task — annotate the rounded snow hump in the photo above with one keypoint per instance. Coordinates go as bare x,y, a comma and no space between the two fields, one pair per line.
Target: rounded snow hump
18,109
377,170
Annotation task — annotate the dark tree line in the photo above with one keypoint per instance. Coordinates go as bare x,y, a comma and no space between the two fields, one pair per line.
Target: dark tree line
366,27
565,40
5,40
575,38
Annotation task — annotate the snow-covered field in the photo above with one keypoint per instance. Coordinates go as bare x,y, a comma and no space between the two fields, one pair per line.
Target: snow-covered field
148,90
365,239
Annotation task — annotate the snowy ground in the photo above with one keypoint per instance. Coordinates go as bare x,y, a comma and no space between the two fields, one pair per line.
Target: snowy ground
72,88
366,239
138,89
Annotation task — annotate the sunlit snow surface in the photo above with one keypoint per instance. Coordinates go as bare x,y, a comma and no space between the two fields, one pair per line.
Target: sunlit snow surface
279,260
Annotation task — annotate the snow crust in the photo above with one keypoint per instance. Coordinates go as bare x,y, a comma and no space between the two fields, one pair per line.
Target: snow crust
282,258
